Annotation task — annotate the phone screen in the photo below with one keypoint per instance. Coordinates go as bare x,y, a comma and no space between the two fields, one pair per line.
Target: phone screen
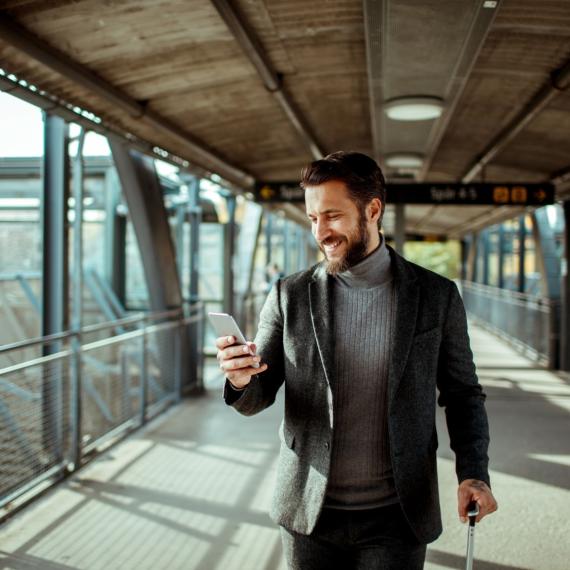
225,325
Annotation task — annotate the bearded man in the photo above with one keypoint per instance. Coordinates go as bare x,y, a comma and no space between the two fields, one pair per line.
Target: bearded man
362,342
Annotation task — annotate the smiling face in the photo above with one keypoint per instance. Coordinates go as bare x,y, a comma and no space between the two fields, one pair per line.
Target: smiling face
343,233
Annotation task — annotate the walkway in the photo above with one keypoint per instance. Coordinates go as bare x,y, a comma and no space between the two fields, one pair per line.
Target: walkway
191,492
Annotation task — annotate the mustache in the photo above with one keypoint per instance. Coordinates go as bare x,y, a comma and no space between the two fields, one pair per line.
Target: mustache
331,239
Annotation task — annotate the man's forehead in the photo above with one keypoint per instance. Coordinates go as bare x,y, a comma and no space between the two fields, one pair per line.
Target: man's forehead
326,199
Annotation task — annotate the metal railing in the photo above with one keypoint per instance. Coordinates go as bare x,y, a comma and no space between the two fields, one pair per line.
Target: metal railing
56,409
529,323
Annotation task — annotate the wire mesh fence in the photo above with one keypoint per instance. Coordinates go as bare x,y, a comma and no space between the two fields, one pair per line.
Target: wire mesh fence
111,379
32,413
529,323
56,408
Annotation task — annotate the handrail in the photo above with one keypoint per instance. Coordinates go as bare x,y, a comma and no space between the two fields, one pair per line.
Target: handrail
21,344
498,291
133,319
16,275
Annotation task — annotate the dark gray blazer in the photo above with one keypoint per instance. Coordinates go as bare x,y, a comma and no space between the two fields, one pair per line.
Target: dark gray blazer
430,350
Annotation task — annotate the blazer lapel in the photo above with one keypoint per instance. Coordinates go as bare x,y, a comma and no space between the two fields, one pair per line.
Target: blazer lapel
320,293
407,301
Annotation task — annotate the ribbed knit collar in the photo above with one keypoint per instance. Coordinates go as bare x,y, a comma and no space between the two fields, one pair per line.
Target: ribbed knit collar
372,271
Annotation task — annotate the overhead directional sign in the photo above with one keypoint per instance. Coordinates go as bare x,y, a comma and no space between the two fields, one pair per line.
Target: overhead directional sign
497,194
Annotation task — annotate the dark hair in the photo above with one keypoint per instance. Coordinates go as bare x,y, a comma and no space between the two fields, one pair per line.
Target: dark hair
362,176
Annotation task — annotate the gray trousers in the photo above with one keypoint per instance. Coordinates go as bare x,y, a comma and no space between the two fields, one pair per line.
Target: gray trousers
372,539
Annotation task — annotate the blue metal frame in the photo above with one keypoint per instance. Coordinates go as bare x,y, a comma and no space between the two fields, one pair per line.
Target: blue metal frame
54,273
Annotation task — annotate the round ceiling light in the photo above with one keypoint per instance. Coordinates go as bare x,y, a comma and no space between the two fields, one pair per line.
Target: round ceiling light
413,108
404,160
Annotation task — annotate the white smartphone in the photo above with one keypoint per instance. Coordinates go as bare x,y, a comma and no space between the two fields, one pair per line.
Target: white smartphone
225,325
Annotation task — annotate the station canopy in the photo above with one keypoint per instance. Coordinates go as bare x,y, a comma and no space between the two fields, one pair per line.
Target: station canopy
252,90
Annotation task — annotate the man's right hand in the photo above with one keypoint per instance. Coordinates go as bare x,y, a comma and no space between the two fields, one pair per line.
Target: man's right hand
236,361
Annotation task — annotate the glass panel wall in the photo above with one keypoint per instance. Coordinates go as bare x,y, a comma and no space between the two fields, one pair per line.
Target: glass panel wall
137,298
101,206
21,154
511,254
493,256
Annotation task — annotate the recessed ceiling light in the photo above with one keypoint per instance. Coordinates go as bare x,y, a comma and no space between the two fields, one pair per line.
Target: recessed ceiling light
404,160
413,108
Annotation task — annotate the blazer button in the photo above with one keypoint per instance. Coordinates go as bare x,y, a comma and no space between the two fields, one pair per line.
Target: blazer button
327,445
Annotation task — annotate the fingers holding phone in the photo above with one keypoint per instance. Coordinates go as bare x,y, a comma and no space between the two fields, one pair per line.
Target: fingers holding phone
236,355
238,361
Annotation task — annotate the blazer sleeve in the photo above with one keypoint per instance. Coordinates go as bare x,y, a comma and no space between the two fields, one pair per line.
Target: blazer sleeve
260,393
462,395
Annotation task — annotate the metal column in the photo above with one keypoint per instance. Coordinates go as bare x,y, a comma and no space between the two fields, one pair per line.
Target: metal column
565,305
466,244
54,276
501,257
195,332
522,252
76,415
229,251
143,194
400,229
115,237
548,262
485,250
268,231
549,266
472,258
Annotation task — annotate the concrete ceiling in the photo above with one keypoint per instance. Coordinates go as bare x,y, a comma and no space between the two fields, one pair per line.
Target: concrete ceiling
254,89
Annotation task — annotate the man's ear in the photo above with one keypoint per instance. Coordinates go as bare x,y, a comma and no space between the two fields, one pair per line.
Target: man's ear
374,209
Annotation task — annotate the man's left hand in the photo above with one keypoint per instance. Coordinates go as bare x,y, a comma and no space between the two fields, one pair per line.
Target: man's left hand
478,491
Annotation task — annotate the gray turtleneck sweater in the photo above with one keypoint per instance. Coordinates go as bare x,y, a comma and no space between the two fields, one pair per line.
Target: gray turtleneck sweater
364,315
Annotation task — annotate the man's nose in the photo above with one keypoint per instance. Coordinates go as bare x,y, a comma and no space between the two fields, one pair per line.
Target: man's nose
320,230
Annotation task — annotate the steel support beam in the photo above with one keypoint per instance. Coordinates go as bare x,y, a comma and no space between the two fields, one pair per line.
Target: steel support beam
484,251
549,266
501,257
522,253
471,274
77,384
54,275
565,306
558,82
466,245
20,38
400,229
196,376
143,195
547,256
251,46
115,238
229,253
268,235
142,192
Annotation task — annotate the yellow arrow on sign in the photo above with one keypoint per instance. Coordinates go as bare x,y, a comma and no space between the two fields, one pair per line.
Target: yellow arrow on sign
266,192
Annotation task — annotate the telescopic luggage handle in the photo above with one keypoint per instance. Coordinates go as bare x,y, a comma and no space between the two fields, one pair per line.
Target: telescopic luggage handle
472,512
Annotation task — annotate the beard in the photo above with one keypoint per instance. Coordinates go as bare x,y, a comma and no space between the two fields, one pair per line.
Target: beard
356,248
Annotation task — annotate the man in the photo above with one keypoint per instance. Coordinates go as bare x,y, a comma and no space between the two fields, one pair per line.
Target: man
362,341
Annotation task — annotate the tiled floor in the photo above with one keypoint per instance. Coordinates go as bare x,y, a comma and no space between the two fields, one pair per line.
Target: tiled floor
191,491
